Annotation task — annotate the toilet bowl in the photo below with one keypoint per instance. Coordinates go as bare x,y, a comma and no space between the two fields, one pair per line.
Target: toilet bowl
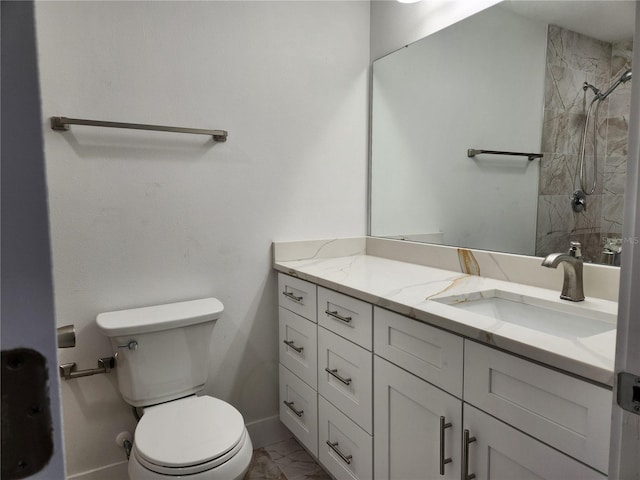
203,438
161,363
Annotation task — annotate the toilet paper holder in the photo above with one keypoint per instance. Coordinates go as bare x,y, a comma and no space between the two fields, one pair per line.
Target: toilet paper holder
67,339
68,370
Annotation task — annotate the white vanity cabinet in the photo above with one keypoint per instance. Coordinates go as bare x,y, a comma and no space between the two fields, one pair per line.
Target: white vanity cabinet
373,394
298,341
326,375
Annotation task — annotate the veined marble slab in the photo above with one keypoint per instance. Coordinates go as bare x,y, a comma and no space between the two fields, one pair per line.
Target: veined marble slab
409,289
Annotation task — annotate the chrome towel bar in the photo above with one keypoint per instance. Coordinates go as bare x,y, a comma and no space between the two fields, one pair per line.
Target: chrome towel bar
532,156
62,124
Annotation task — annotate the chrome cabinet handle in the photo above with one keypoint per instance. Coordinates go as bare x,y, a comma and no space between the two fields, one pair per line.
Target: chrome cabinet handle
334,373
293,409
443,461
465,456
290,343
292,296
335,315
334,447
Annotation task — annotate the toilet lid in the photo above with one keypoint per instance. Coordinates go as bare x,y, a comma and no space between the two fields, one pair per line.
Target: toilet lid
189,431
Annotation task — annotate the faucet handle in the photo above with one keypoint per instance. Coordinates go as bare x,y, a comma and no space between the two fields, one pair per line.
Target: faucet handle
575,250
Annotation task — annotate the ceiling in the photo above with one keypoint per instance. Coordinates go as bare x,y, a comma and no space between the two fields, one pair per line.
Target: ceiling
607,20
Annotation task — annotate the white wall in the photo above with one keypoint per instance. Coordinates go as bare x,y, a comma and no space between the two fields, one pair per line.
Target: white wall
140,218
394,25
439,97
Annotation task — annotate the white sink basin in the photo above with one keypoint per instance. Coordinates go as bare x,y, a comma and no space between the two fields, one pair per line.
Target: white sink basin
566,320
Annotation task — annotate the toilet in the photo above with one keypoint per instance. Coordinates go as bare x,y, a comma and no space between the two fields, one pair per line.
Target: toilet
162,361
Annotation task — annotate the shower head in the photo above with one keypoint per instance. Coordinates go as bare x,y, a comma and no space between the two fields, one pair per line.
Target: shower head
625,77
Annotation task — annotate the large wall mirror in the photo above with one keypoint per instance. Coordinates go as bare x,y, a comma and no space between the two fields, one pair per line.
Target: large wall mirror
520,77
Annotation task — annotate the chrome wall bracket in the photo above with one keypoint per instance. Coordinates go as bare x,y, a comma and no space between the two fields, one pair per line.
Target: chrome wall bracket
578,201
68,370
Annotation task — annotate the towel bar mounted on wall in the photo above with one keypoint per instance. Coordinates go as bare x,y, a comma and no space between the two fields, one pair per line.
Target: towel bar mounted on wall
532,156
62,124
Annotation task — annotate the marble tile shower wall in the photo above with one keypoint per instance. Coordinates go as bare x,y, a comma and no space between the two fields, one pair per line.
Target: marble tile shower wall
572,59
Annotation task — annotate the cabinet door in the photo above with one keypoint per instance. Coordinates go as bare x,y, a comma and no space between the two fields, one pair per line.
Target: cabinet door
500,452
408,433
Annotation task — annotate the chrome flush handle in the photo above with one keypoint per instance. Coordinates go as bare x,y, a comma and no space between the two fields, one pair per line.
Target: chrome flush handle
131,345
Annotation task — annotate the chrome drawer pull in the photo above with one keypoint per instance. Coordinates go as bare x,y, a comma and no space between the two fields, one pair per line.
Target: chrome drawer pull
443,461
292,296
465,456
289,343
334,447
334,373
338,317
291,407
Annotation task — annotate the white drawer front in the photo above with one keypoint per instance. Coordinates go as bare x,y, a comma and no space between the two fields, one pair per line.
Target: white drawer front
297,295
299,409
500,452
348,317
567,413
345,450
430,353
349,384
299,346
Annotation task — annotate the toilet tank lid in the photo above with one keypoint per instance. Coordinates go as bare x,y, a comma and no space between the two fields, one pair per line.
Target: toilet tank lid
159,317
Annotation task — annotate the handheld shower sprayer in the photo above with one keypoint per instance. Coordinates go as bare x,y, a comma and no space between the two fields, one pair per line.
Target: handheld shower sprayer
598,97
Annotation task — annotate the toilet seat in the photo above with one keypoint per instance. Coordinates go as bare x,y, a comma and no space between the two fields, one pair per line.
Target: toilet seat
188,436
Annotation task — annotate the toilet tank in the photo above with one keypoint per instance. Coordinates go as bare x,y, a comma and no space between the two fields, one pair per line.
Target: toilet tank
161,351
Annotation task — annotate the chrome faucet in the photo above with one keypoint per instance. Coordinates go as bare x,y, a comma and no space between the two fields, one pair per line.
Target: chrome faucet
572,263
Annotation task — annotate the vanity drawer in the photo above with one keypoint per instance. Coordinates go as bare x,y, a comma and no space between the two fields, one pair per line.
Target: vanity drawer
345,377
298,339
348,317
429,353
562,411
299,409
345,450
297,295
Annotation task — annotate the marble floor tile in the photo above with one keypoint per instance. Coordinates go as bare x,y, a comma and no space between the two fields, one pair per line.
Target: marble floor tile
295,462
263,467
285,460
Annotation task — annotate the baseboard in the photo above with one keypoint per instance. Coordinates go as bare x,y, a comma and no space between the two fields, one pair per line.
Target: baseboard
115,471
267,431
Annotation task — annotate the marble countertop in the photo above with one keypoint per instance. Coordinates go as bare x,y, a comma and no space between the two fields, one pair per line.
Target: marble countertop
412,290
